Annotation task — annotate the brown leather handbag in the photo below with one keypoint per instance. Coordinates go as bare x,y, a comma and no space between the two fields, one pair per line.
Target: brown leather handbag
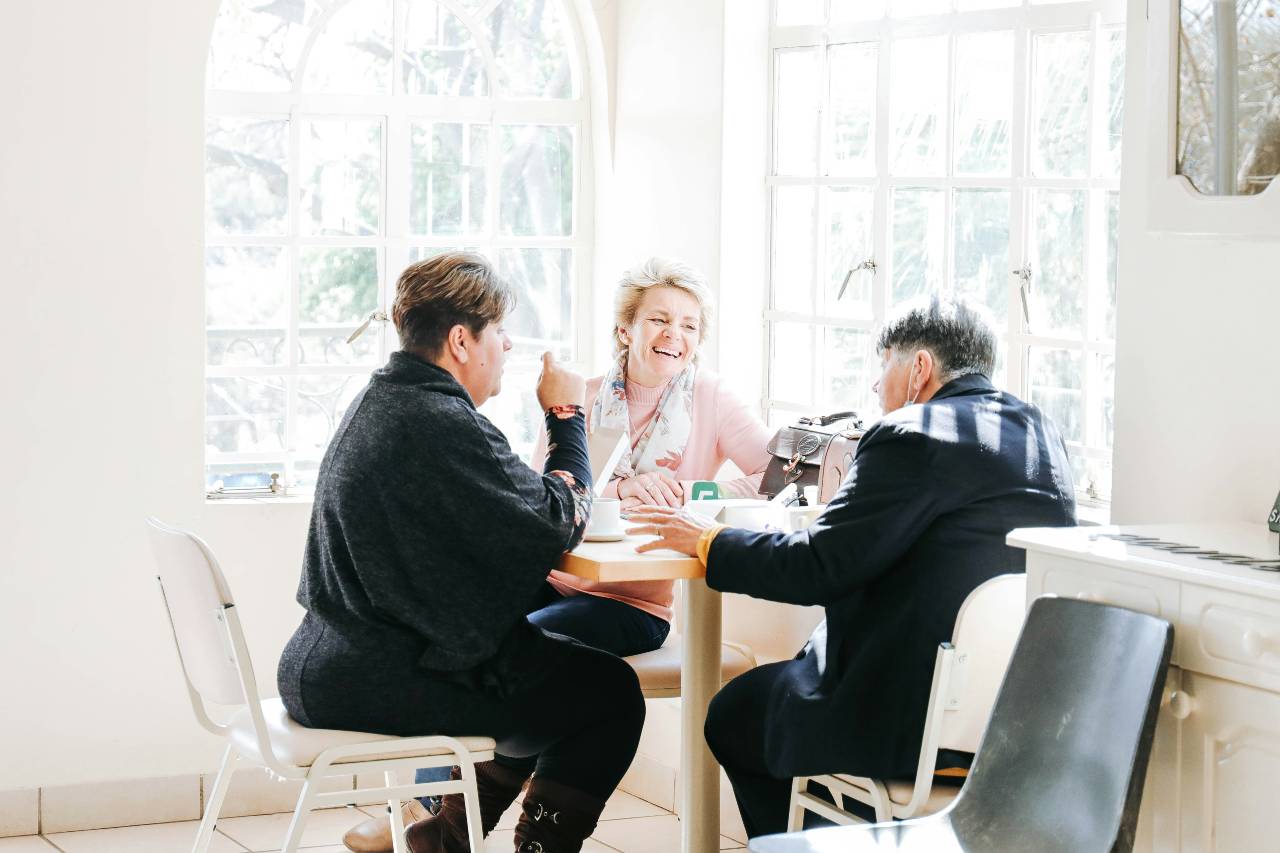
814,451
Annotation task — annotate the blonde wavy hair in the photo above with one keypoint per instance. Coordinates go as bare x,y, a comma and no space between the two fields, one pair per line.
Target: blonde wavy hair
658,272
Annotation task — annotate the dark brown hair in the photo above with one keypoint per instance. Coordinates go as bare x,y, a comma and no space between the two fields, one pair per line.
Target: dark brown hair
447,290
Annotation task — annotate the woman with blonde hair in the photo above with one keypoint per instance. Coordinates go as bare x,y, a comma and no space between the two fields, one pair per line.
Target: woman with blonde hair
682,423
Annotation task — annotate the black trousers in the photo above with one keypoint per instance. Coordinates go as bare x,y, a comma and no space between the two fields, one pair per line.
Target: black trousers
570,712
735,733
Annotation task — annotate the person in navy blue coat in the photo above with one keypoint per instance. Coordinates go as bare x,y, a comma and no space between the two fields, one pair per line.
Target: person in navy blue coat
919,522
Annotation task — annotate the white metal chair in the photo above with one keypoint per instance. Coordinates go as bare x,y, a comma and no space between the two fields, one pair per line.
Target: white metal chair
966,678
216,666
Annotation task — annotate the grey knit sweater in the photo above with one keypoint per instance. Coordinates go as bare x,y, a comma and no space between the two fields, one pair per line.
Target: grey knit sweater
428,532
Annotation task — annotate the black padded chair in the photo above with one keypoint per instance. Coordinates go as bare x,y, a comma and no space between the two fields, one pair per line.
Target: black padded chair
1064,757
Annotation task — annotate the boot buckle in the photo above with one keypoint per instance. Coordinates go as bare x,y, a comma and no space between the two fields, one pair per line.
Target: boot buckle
544,812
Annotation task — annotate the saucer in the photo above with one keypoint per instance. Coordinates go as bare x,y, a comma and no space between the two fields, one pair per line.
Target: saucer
604,536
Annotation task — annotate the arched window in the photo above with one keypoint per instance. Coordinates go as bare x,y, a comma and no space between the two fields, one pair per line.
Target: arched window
346,139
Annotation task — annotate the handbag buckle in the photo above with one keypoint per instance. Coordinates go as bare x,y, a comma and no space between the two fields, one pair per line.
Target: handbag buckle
806,446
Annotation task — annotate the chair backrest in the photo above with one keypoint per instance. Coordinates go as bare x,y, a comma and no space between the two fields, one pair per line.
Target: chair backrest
986,631
197,598
1063,762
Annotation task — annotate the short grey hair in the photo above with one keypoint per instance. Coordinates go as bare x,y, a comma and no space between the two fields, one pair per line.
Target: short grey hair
658,272
956,331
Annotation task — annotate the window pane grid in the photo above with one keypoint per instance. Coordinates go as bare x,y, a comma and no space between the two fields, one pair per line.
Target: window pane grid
345,232
969,226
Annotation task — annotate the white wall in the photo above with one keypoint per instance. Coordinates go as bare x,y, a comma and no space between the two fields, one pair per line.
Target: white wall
100,208
665,196
1197,401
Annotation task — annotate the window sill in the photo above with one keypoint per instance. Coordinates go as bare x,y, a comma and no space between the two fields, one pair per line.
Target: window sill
246,500
1093,514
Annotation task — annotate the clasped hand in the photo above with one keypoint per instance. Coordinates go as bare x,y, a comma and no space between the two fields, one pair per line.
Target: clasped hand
652,488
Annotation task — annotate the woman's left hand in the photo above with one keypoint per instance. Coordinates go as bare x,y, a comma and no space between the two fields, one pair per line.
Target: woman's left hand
677,529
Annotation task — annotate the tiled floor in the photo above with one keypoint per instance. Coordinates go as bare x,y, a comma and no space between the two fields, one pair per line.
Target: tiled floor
628,825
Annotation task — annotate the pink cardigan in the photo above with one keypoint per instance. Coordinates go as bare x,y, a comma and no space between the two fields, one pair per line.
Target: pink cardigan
723,428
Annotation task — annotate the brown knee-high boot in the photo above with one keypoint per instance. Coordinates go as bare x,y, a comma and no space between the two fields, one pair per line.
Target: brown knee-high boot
556,818
446,832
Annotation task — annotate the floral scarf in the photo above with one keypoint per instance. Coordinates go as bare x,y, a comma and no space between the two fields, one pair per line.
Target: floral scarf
662,443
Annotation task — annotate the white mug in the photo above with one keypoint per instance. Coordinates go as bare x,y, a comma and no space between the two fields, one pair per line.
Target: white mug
606,516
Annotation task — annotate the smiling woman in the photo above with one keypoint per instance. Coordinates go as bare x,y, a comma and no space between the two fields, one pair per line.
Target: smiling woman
681,423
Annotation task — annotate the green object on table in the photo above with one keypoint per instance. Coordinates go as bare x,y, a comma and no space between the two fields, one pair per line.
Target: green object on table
704,490
1273,520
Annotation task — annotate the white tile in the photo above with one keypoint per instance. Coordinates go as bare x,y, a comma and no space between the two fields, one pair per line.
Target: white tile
156,838
19,812
646,835
623,805
730,817
255,792
26,844
267,832
130,802
651,780
511,815
620,807
504,841
500,841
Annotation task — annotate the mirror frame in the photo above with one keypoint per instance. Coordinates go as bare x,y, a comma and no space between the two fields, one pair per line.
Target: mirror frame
1173,204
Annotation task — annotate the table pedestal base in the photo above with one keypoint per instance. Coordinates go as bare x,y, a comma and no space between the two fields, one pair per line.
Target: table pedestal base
699,681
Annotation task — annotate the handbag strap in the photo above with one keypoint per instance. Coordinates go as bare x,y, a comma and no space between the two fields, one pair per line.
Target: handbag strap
824,420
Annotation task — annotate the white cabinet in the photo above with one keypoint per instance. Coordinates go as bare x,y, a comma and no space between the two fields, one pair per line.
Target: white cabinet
1213,782
1230,767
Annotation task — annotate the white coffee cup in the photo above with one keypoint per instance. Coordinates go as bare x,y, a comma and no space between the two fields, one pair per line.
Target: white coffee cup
606,517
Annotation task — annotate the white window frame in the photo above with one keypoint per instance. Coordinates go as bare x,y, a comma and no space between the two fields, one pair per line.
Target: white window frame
395,241
1025,21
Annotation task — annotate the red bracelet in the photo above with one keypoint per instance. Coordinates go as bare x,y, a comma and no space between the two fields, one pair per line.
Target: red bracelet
565,412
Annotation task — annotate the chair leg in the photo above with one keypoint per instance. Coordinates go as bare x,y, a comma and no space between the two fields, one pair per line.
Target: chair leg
306,802
213,802
471,801
795,815
397,816
883,805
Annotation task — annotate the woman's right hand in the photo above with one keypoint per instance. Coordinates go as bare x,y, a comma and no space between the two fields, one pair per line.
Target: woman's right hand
652,488
559,386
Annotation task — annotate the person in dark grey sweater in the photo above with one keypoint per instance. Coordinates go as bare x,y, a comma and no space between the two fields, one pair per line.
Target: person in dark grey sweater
429,542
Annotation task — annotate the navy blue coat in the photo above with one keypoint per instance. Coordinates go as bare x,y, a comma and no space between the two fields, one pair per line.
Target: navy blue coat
919,522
